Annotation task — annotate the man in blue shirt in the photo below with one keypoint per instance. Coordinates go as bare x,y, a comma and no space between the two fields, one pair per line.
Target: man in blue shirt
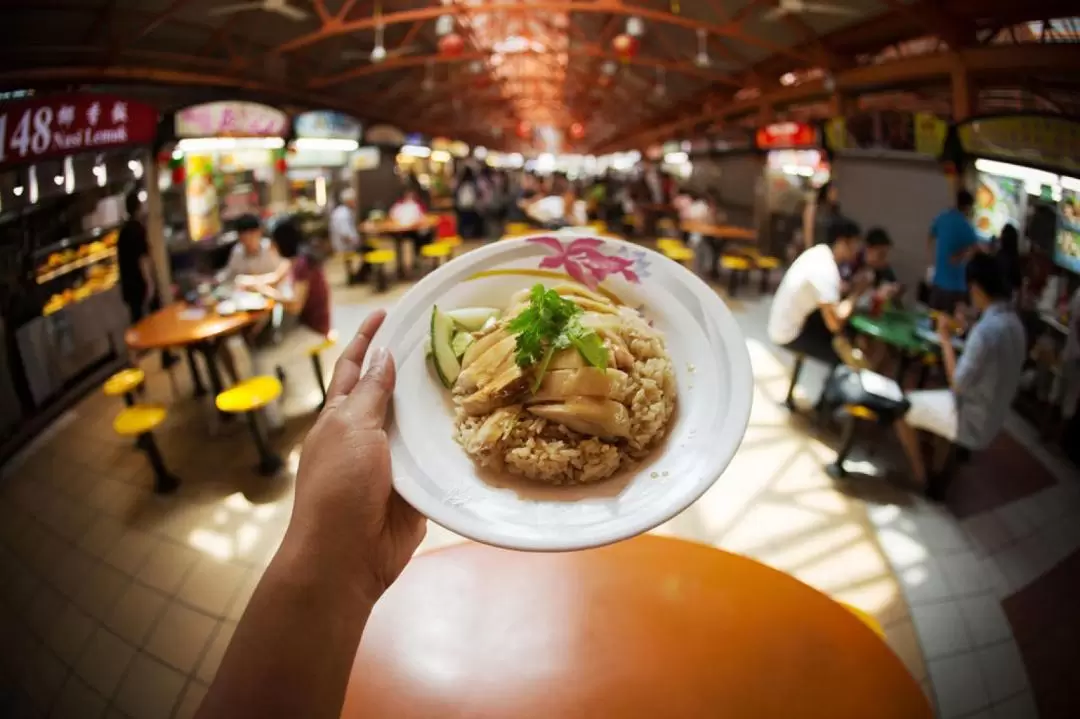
972,410
952,241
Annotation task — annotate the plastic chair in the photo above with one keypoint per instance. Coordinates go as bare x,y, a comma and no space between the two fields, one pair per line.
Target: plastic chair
517,229
379,259
139,421
682,255
249,398
124,383
737,268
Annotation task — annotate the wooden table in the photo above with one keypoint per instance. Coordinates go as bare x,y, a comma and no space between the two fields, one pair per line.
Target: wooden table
169,328
651,627
720,232
399,232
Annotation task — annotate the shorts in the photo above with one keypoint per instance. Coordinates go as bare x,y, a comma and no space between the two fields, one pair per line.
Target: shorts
944,300
815,340
934,411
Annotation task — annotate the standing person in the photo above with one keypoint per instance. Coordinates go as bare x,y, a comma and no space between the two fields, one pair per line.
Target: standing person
466,199
809,311
1008,257
952,243
137,285
972,410
820,215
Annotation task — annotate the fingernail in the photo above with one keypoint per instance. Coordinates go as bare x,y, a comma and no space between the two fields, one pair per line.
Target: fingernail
380,357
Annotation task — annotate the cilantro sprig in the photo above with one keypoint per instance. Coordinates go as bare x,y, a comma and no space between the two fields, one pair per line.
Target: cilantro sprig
550,324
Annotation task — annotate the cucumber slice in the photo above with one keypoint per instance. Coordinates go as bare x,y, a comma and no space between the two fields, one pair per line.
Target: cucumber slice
461,342
442,334
472,318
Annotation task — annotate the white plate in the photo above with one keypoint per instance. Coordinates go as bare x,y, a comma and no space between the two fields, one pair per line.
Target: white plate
712,369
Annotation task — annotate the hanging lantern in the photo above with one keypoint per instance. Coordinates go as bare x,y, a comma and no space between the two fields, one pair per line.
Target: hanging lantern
625,46
524,129
451,45
635,27
577,130
444,25
163,157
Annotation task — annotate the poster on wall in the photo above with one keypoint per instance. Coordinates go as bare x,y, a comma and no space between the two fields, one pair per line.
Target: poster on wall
327,125
1067,247
204,221
1040,140
231,119
998,201
930,132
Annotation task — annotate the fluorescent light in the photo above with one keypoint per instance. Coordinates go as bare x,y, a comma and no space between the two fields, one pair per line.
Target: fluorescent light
415,151
480,152
177,154
676,158
33,184
1018,172
545,162
212,144
319,143
69,175
59,179
440,156
1070,183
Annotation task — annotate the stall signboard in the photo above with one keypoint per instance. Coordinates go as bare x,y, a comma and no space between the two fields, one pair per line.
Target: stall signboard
999,201
58,125
785,135
231,119
327,125
385,136
930,133
366,158
204,220
887,131
1067,247
1046,141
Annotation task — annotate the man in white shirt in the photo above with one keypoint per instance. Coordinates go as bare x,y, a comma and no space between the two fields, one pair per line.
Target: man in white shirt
343,234
808,311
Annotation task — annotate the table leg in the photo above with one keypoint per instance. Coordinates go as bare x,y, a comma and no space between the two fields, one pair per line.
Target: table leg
399,241
210,350
196,378
902,367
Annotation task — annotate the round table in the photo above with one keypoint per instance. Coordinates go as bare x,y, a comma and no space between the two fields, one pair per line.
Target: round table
651,627
720,232
399,233
169,327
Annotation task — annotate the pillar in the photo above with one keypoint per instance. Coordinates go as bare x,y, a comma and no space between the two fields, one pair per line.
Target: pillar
279,192
964,93
155,229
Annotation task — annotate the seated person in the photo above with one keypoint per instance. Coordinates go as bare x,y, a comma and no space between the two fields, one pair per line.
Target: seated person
254,261
874,259
972,410
808,312
306,299
409,211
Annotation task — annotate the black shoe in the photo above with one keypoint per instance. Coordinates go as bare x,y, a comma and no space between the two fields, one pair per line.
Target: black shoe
936,487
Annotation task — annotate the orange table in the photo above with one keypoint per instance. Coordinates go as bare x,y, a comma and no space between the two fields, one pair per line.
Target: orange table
720,232
399,233
652,627
169,328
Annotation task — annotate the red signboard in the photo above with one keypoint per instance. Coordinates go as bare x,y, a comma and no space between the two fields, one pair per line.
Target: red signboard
784,135
58,125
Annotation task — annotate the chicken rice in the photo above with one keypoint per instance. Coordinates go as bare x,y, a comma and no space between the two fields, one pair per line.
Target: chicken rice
578,423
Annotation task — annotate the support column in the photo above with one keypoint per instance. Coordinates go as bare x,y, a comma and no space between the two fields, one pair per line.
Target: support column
279,192
155,229
965,95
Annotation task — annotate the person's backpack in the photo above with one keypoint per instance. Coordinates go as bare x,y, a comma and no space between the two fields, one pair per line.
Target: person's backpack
466,196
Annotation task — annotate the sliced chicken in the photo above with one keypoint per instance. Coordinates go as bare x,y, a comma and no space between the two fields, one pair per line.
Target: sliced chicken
579,291
482,345
562,385
567,359
591,305
487,365
503,389
494,428
588,415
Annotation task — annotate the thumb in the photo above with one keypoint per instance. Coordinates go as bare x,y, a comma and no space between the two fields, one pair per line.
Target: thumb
369,400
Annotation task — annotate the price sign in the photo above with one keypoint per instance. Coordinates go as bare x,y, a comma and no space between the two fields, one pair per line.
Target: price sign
58,125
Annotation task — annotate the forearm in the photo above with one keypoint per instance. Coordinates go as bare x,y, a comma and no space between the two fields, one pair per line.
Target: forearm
293,649
948,360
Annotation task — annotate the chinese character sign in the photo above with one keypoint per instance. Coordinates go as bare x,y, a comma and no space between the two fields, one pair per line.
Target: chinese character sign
231,119
1046,141
786,135
58,125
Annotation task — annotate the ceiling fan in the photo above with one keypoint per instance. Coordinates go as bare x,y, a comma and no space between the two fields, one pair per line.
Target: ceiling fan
280,7
795,7
378,53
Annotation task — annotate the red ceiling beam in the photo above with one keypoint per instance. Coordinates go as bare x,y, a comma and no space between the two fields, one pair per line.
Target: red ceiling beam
732,30
686,68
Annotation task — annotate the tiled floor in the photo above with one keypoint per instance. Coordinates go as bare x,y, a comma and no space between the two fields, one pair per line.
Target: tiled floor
114,602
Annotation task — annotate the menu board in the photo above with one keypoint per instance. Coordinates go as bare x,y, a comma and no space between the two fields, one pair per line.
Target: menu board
1067,247
327,124
999,201
784,135
231,119
1040,140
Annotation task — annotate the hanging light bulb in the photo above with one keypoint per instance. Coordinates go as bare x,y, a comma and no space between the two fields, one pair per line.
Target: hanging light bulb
444,25
660,88
702,59
635,27
609,68
378,53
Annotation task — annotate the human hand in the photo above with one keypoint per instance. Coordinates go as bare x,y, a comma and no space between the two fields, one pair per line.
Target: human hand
347,512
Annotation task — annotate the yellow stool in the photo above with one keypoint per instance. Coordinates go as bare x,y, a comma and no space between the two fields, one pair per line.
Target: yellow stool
249,398
865,618
599,228
124,383
667,243
517,229
315,353
454,241
437,253
766,264
737,268
682,255
379,259
139,421
854,413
